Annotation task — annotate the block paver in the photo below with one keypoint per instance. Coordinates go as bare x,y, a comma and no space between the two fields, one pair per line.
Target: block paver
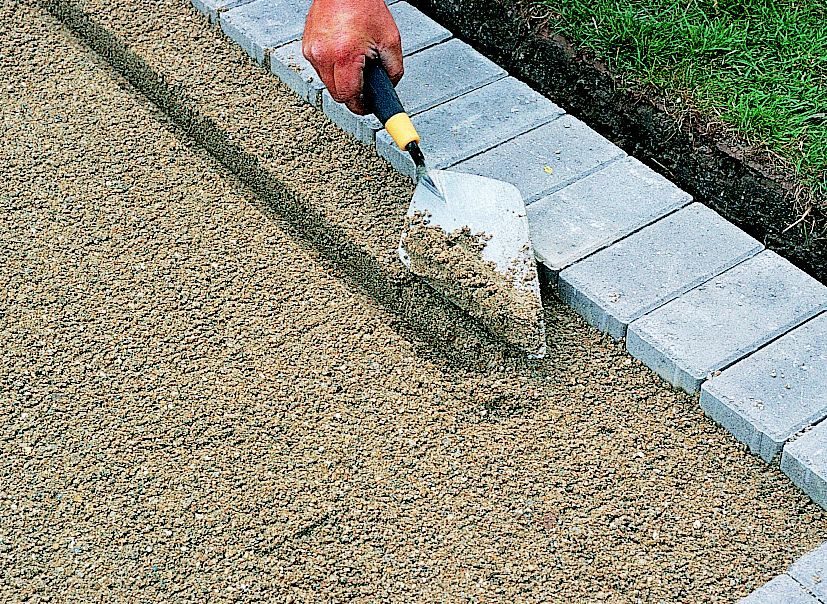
623,282
472,123
289,65
436,75
781,590
804,460
765,399
546,159
416,30
263,24
597,210
811,571
725,319
211,8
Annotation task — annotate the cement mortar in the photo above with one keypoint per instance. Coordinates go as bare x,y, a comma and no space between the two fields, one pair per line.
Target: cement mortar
196,406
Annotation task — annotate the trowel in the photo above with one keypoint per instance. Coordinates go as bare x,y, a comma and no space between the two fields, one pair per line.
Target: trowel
466,235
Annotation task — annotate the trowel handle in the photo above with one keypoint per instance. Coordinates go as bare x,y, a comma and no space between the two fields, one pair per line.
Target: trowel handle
382,100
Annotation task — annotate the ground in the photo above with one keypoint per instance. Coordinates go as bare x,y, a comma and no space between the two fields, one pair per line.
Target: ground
200,402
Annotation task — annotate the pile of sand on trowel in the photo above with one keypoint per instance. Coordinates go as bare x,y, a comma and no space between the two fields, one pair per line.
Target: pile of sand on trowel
453,263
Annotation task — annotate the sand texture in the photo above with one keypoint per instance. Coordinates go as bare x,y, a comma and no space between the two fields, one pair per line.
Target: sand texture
453,263
215,387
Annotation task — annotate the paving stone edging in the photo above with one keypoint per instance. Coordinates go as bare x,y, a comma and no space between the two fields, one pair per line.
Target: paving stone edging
698,300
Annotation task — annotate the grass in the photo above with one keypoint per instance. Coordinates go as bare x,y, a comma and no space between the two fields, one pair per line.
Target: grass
757,66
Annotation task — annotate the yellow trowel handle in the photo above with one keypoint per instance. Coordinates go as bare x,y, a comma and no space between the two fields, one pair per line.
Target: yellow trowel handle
381,98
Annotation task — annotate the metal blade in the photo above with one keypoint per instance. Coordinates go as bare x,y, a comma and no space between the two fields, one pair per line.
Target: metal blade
468,237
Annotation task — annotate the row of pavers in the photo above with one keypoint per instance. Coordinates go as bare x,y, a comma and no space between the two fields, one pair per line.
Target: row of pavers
695,298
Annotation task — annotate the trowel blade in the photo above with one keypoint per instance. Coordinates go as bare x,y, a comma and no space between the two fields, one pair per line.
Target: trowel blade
470,241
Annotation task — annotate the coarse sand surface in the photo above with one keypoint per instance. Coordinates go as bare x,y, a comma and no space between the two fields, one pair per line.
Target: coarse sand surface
196,405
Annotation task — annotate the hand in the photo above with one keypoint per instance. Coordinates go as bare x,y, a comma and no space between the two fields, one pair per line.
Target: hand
340,34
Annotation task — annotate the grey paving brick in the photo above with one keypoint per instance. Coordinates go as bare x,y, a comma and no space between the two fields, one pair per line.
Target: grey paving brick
811,571
416,30
369,126
434,76
632,277
264,24
765,399
804,460
211,8
725,319
781,590
472,123
289,65
597,210
545,159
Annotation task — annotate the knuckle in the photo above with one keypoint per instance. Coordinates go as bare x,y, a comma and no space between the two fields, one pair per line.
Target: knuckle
311,52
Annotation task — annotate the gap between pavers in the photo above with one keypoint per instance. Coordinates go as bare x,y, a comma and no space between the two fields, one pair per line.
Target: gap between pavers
647,269
805,581
781,590
545,159
767,398
212,8
810,571
598,210
722,321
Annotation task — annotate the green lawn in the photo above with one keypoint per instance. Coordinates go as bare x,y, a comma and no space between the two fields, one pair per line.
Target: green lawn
758,66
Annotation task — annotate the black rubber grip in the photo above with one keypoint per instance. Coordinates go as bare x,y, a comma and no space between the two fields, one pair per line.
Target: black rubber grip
380,95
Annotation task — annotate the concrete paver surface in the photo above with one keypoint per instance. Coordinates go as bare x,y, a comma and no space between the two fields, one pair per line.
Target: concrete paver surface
194,406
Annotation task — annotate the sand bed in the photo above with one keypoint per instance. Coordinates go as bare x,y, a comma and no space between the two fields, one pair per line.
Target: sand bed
195,405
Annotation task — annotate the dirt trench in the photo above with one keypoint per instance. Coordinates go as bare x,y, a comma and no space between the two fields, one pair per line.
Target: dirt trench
200,402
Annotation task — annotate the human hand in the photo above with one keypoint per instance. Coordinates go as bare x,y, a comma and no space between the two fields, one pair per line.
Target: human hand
340,34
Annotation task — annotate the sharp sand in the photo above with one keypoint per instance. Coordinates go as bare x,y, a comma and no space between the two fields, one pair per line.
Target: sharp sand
198,406
453,263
